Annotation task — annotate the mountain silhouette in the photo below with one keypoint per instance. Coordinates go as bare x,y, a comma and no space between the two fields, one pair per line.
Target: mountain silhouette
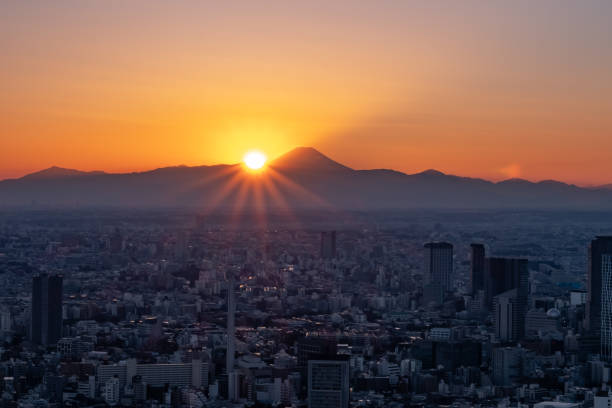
301,178
307,159
54,172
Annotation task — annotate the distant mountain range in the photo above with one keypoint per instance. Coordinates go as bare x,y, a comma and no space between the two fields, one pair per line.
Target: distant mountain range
302,178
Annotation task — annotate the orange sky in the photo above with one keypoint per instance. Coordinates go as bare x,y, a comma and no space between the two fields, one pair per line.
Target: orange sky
486,89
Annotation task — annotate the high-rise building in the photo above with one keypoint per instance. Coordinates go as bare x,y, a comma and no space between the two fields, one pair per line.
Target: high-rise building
599,293
438,271
328,384
502,275
46,309
506,316
328,244
477,267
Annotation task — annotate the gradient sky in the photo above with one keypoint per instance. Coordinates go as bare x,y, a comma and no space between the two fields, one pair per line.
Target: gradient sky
492,89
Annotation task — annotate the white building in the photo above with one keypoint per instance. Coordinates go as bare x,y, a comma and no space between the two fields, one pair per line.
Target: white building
194,374
112,391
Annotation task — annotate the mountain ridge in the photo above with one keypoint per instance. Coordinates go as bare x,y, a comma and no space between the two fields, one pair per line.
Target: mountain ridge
300,178
56,171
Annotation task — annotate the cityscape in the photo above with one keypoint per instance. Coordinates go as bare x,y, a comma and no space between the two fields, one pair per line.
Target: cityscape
305,204
460,310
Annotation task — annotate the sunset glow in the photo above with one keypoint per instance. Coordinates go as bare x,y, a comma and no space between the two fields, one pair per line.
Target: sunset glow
132,86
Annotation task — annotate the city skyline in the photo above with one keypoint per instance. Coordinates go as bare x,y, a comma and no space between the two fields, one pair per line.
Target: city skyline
306,204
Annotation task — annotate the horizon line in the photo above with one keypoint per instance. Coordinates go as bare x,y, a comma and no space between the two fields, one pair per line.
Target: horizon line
422,172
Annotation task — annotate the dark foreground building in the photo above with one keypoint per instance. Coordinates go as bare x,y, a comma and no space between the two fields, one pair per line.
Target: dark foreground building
46,309
599,294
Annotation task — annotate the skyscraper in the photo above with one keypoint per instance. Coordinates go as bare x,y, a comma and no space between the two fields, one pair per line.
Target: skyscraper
506,316
328,244
328,384
438,270
477,265
599,293
503,275
46,309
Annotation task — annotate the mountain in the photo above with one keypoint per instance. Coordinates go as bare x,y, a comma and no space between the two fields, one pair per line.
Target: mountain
307,159
58,172
301,178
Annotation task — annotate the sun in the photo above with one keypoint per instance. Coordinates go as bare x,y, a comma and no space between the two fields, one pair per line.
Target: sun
254,159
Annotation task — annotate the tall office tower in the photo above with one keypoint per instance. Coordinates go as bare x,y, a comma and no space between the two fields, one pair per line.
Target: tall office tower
477,260
328,384
438,271
598,318
506,316
232,384
503,275
46,309
328,244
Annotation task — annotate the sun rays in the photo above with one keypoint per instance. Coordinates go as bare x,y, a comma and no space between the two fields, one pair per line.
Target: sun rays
258,194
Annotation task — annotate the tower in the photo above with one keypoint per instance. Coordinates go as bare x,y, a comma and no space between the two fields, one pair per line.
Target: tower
46,309
506,316
438,270
503,275
599,293
477,265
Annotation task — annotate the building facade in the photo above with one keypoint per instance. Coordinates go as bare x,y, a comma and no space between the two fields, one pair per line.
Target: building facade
598,319
328,384
503,275
438,271
477,266
46,321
